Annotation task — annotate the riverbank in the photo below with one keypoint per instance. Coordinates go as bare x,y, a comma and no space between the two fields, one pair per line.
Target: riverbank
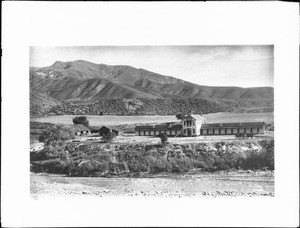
220,184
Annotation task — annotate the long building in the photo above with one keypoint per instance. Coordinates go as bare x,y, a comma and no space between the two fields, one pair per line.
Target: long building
189,126
233,128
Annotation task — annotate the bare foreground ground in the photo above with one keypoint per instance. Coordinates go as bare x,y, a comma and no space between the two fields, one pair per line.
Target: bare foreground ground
231,184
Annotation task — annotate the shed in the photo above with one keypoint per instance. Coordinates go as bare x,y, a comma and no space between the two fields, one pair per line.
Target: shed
104,130
80,129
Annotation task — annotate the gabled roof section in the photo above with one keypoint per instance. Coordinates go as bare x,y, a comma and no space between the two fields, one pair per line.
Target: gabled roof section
112,128
188,117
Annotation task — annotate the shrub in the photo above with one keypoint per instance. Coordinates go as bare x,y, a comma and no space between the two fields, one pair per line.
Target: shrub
56,135
108,137
164,138
50,166
81,120
179,116
181,164
157,165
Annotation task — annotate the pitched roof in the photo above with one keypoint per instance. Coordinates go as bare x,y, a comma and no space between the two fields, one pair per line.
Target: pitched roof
112,128
188,117
242,124
78,127
164,126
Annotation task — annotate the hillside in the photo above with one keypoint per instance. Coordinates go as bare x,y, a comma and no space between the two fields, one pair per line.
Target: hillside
157,106
83,81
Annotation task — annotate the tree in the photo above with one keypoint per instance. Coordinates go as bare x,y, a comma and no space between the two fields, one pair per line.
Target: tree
108,137
54,138
164,138
179,116
56,134
81,120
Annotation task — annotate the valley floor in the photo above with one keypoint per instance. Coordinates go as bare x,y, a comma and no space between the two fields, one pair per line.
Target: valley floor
220,117
231,184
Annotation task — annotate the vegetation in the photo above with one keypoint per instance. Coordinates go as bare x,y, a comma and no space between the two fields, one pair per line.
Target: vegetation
108,137
179,116
107,159
81,120
164,138
156,106
56,134
54,139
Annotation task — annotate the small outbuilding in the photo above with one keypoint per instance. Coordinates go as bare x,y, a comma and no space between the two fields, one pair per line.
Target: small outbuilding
105,130
80,129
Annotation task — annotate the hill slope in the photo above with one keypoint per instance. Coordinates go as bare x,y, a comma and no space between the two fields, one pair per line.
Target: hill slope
83,81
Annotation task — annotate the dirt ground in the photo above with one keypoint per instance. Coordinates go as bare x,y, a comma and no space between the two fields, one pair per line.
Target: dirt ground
204,185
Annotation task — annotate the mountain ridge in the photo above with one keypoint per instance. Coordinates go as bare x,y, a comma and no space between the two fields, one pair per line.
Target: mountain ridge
82,80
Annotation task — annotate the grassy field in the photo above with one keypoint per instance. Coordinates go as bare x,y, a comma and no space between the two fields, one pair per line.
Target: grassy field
130,120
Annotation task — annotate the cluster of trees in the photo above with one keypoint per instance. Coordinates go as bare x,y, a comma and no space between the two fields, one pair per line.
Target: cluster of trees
81,120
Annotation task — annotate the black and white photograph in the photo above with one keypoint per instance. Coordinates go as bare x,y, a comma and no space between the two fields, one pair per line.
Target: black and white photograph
166,121
150,114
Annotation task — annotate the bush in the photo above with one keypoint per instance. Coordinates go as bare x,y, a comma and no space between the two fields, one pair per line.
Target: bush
92,160
164,138
56,135
108,137
50,166
81,120
158,165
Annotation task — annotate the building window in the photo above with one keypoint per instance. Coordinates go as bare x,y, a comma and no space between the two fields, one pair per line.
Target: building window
141,133
194,132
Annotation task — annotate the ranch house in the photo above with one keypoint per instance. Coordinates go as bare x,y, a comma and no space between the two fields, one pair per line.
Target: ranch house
232,128
187,127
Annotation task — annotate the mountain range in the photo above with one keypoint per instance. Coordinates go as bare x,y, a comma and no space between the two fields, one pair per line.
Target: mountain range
85,82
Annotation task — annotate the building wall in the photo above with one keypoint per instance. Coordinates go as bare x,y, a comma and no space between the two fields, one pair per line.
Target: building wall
156,132
231,131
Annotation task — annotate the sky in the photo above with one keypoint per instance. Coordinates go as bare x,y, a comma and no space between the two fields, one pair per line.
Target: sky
229,65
